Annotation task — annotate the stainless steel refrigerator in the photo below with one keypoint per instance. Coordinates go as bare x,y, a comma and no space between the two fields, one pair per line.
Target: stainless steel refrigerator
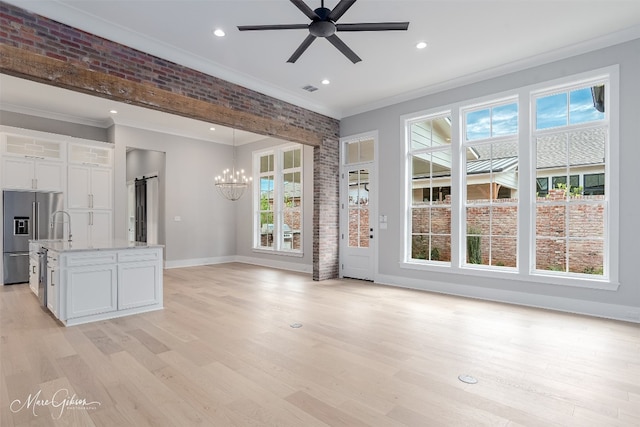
26,217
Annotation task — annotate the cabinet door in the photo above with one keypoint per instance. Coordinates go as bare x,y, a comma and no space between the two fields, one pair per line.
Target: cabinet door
138,284
49,176
91,290
18,173
79,187
101,226
34,273
101,188
80,225
53,286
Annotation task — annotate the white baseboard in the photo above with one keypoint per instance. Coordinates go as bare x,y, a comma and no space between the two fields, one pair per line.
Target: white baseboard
590,308
282,265
194,262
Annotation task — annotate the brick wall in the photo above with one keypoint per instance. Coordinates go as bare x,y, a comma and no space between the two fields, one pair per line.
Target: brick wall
27,31
556,239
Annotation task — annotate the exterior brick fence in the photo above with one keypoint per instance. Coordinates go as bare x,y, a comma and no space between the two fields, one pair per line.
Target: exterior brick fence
578,234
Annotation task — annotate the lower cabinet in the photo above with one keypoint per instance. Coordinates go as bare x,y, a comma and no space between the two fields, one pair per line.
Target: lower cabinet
138,284
94,285
91,290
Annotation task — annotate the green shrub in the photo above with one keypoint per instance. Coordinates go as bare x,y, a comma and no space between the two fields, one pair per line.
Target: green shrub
474,251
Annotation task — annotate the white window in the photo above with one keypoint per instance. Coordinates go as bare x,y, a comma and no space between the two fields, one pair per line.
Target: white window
278,199
490,133
429,162
571,138
527,181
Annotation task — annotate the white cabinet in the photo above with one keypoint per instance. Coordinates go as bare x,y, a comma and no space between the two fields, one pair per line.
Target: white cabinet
139,278
91,226
90,187
91,290
34,272
32,164
95,284
53,283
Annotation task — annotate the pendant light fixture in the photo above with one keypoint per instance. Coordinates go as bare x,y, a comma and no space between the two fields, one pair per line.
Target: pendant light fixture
232,183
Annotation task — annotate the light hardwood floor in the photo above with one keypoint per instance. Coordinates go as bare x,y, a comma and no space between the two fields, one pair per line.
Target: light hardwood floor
223,353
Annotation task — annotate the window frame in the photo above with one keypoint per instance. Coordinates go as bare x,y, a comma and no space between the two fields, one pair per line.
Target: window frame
526,187
278,173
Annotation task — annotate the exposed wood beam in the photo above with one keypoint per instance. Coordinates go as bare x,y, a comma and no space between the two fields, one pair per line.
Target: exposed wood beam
32,66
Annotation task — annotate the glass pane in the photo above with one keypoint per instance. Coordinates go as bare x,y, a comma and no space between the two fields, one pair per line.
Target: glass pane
586,220
551,254
297,158
550,220
366,150
440,248
354,227
504,120
594,184
477,245
291,229
441,131
441,220
292,189
266,229
266,192
420,219
582,105
504,168
478,125
352,152
420,247
586,256
266,163
504,251
364,186
288,159
364,227
551,111
420,134
354,188
551,153
504,220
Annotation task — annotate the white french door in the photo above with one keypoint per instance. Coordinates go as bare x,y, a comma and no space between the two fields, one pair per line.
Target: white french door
358,208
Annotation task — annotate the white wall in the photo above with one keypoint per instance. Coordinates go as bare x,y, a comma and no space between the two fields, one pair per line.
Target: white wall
623,303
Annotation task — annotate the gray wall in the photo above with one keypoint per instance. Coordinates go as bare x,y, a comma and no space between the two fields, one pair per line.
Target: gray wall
244,213
8,118
206,231
144,163
623,303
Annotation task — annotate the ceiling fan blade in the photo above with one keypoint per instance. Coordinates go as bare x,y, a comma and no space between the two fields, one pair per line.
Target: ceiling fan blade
300,50
340,9
305,9
339,44
374,26
272,27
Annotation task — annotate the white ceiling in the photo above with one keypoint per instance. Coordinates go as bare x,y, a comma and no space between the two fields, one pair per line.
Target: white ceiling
467,41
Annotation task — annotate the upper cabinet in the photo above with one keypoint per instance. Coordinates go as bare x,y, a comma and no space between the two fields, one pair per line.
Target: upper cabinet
32,164
90,187
90,155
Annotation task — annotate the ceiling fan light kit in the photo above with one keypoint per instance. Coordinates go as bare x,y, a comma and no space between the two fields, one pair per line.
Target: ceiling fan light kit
323,24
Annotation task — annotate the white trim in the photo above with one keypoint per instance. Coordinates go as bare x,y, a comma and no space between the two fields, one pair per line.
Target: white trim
282,265
194,262
570,305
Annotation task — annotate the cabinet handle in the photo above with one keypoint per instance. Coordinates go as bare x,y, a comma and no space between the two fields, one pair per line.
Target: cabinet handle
51,278
91,218
33,269
91,201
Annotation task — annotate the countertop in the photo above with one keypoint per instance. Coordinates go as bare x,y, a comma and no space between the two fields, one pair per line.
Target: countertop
79,245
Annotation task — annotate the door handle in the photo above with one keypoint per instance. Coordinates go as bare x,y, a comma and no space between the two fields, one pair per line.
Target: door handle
33,269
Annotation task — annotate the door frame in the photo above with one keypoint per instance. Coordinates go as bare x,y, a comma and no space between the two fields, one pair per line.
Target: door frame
373,201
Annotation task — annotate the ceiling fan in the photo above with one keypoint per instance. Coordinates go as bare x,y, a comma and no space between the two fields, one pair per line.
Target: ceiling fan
324,25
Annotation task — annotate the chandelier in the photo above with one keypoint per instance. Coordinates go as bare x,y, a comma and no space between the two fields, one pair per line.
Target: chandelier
232,183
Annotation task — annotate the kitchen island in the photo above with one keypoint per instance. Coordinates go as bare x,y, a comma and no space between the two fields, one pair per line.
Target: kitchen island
90,281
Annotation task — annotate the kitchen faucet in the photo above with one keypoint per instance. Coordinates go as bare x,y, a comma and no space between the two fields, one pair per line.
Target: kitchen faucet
54,222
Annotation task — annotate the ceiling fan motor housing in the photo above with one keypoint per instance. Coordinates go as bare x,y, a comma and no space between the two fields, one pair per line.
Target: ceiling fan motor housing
322,26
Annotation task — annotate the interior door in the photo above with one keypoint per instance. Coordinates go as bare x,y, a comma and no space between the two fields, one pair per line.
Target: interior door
357,231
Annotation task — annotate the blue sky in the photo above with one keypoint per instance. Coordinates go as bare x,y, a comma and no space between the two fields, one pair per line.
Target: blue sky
551,111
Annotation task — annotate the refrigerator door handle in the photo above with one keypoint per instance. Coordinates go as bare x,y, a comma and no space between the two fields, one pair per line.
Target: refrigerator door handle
34,225
37,218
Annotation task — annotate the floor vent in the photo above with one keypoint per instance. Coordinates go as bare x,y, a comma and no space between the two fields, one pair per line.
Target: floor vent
310,88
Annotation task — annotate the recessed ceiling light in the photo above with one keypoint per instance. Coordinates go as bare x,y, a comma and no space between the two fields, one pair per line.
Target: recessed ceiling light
325,82
219,32
212,128
421,45
113,111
